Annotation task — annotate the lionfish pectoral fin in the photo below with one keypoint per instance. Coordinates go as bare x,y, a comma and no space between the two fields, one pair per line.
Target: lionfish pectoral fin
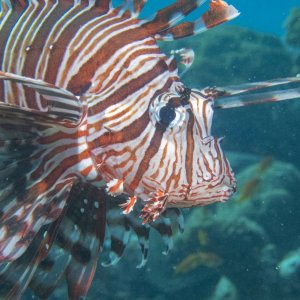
218,13
35,174
76,249
27,201
241,95
175,215
60,102
15,276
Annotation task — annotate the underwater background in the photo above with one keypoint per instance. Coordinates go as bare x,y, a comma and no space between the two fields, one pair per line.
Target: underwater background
248,247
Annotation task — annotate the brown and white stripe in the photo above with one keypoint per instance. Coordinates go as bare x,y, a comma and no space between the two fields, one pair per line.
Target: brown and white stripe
87,97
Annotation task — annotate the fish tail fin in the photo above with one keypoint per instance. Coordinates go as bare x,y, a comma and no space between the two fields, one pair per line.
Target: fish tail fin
246,95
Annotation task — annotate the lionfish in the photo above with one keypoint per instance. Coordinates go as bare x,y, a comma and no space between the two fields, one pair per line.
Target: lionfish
93,115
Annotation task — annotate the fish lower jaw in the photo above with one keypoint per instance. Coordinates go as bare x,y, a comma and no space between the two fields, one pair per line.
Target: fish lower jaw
189,197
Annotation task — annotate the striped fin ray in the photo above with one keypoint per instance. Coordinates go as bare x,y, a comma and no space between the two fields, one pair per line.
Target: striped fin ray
15,276
41,157
257,98
241,95
218,13
76,249
122,226
59,101
68,248
252,86
166,226
172,14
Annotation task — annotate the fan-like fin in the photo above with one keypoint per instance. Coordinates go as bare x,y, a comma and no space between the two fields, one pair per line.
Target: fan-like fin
60,101
77,246
40,159
119,230
89,214
176,217
172,14
15,276
218,13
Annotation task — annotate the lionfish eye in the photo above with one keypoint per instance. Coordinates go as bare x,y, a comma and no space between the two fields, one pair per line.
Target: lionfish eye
166,115
167,111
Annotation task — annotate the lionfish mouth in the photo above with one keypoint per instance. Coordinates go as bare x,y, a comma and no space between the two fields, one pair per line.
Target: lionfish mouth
157,198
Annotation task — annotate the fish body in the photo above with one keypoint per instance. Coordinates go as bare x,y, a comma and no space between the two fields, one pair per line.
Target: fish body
88,103
126,88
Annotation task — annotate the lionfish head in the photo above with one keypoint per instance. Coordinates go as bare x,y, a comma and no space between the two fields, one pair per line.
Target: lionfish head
168,157
156,143
189,167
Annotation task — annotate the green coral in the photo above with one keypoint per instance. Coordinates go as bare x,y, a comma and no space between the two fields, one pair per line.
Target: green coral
292,27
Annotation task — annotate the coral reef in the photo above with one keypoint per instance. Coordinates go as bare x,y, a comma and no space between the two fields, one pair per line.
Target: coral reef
289,266
225,290
292,27
254,234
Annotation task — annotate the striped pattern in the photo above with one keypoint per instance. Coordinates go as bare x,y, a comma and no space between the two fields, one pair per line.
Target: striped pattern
60,102
68,247
184,161
87,97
